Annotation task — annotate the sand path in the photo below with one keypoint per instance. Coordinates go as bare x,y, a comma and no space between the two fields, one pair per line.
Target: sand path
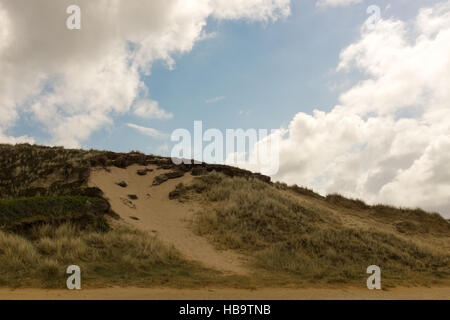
440,293
156,214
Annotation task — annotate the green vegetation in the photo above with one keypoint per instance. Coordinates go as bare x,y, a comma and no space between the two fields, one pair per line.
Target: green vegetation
283,235
22,213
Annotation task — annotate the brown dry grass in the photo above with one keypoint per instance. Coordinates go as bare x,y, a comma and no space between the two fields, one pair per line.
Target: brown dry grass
121,256
311,242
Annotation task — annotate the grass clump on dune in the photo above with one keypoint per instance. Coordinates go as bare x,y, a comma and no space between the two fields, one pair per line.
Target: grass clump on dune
406,220
121,256
284,236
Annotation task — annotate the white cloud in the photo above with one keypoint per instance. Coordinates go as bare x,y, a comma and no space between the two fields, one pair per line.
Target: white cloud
336,3
5,29
150,109
151,132
14,140
432,20
214,100
75,82
388,140
261,10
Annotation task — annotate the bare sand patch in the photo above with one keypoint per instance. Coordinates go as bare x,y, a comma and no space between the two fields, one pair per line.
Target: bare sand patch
153,212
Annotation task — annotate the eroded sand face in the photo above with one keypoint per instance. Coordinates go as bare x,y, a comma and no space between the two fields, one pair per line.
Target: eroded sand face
168,219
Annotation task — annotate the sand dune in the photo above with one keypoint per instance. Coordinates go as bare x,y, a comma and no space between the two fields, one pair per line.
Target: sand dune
156,214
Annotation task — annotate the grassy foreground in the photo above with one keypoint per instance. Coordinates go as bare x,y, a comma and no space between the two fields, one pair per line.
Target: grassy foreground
120,256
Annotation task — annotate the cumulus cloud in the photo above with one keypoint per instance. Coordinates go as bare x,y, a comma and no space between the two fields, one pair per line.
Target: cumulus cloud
388,140
73,82
336,3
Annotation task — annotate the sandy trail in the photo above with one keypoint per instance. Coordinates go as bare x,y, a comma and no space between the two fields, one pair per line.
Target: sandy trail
169,220
228,294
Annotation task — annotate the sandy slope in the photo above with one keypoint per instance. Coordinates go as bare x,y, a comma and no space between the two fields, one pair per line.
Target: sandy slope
228,294
169,220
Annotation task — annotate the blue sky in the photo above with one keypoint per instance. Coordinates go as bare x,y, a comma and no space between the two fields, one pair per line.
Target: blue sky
255,67
261,73
383,131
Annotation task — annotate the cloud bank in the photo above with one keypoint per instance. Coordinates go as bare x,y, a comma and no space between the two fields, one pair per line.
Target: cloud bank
74,82
388,140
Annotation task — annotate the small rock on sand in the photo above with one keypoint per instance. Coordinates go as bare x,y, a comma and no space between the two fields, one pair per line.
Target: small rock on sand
128,203
122,184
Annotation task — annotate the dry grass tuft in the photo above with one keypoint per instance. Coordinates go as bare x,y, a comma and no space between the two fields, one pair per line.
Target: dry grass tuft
121,256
